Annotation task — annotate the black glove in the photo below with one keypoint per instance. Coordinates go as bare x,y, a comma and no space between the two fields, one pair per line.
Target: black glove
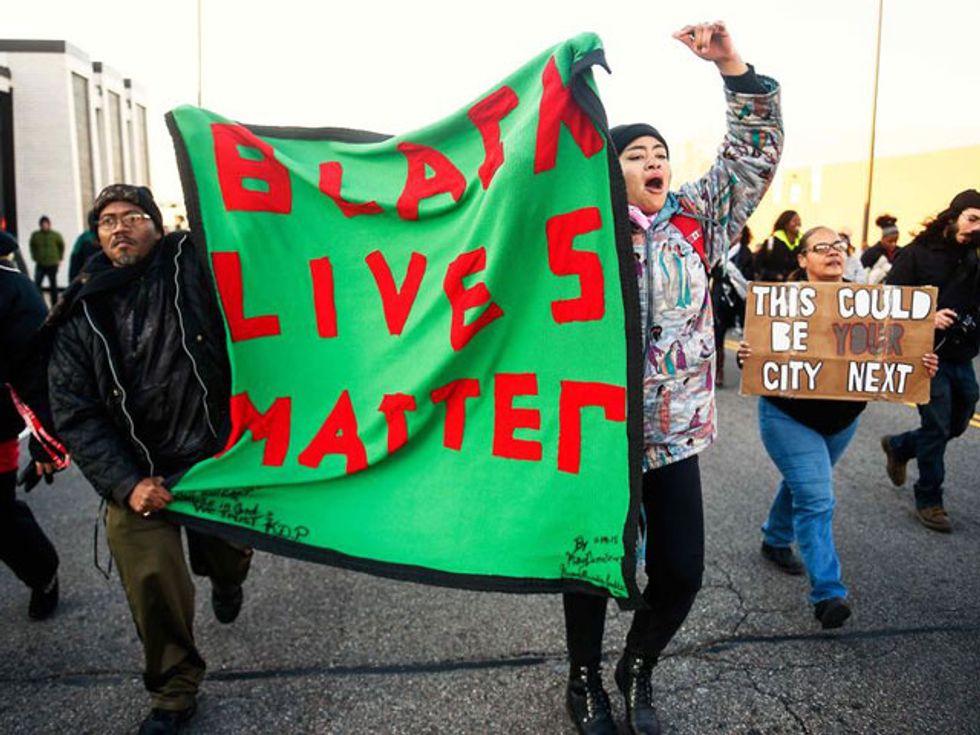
37,450
29,478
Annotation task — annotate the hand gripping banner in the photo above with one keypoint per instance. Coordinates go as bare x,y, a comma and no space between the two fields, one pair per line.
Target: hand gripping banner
433,339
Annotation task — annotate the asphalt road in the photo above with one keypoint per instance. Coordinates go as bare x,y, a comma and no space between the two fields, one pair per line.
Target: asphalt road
320,650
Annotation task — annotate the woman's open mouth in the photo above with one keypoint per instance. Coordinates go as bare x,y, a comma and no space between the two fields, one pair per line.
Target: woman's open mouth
655,184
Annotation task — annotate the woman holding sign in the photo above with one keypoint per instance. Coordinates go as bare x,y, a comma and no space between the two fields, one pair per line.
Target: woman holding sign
678,237
804,439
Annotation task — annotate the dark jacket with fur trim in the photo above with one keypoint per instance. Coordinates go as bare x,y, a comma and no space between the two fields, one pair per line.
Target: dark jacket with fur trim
138,374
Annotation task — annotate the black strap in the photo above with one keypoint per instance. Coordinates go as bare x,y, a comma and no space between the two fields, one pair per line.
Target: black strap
101,515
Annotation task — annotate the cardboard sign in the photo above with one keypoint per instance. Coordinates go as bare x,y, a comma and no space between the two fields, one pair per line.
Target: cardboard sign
838,340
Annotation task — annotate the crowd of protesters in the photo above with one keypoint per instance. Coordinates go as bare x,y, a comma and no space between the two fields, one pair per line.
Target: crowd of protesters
111,377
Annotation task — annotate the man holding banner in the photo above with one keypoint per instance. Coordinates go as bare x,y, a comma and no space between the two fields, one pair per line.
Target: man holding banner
139,392
678,237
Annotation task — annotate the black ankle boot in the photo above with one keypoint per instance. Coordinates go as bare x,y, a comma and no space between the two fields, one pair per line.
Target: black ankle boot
44,600
633,680
588,703
226,602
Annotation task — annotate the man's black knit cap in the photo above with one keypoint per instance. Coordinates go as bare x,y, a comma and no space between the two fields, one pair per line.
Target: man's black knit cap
969,199
141,196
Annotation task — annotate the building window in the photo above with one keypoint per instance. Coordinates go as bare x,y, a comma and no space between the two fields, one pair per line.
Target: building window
115,133
103,145
8,213
132,151
83,140
144,143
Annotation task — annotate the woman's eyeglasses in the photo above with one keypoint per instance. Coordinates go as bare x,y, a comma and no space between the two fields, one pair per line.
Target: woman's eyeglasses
822,248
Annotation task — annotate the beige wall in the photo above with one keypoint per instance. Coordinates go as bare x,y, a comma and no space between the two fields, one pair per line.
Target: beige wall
911,187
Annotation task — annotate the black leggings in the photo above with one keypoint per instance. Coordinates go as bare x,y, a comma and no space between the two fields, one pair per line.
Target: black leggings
674,563
23,546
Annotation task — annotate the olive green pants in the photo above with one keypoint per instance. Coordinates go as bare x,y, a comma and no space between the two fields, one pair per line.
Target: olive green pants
150,558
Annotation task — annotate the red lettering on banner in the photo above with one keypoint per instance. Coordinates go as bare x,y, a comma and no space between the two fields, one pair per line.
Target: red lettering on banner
323,297
574,396
338,435
462,298
454,395
331,174
564,260
228,277
394,406
446,178
272,427
486,115
558,107
507,419
234,170
396,304
339,432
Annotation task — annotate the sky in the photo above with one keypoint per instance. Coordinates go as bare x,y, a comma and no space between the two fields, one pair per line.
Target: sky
393,67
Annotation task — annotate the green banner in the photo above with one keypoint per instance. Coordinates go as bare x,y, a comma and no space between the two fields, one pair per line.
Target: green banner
430,338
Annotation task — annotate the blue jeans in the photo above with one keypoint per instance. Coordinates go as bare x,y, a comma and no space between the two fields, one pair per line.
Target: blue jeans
804,504
952,400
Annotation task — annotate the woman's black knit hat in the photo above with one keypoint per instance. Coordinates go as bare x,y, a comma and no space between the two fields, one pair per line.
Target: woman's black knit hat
623,135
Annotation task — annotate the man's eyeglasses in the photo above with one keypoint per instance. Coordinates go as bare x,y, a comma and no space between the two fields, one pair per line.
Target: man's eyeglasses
822,248
129,220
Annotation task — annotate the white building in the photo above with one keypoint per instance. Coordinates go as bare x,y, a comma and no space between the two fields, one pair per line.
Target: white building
68,127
